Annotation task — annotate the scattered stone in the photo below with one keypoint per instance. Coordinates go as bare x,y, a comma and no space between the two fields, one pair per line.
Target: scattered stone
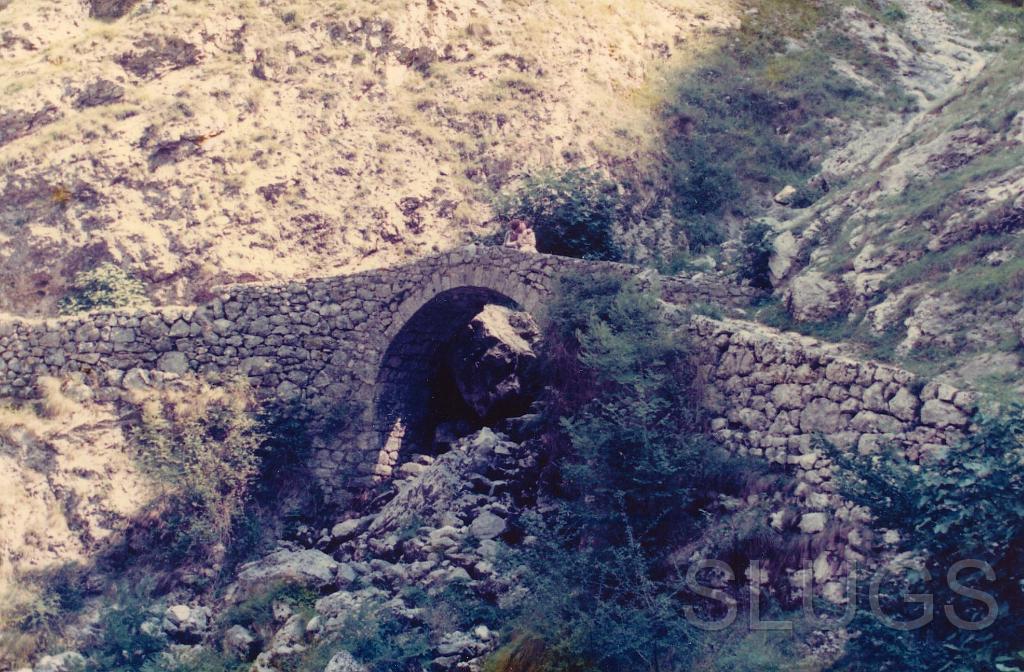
240,643
812,523
345,530
186,624
785,196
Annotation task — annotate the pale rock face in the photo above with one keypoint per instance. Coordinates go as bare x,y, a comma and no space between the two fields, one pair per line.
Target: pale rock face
933,321
786,247
812,297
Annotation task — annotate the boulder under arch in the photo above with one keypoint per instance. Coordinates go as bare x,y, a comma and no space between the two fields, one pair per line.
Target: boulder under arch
405,400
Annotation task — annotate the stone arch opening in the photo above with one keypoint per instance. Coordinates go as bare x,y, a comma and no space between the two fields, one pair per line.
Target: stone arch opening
414,391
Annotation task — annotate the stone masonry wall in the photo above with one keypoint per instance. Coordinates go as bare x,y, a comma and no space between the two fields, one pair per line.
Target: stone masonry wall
771,393
320,342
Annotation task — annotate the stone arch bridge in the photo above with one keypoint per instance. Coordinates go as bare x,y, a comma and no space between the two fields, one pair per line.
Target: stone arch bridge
368,338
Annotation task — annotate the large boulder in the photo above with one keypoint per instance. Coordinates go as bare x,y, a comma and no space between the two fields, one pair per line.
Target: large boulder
812,297
308,568
493,362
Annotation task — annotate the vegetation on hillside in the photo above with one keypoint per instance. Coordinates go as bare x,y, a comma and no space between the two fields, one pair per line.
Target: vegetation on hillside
572,213
106,286
759,113
961,514
631,474
229,476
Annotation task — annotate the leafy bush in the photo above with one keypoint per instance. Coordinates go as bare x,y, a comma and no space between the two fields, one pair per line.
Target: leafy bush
127,643
968,504
756,246
380,640
201,447
572,213
106,286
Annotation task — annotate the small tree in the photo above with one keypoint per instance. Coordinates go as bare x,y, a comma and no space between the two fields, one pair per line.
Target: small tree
202,447
572,213
106,286
756,247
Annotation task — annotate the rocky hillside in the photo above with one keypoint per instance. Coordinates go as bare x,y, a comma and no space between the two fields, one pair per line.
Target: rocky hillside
918,255
198,143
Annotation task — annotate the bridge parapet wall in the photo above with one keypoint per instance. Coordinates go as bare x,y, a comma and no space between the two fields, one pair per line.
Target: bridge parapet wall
772,393
322,343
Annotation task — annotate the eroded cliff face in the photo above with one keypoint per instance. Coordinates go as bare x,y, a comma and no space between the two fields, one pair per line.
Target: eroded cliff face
918,255
201,143
69,483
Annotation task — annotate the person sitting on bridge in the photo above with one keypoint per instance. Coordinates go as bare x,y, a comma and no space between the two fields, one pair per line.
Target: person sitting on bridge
520,236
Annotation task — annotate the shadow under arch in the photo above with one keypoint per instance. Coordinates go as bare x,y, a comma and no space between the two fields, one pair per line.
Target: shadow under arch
410,379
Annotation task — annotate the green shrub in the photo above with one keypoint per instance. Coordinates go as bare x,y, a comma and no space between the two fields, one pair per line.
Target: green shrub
106,286
703,185
968,504
126,643
756,246
380,640
572,213
201,447
257,612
